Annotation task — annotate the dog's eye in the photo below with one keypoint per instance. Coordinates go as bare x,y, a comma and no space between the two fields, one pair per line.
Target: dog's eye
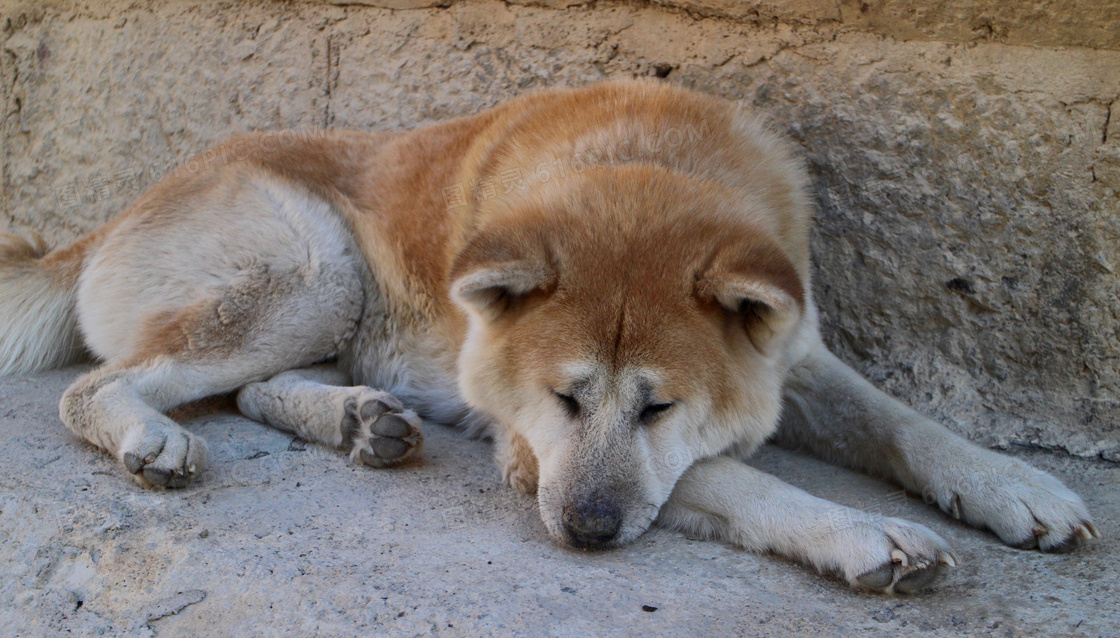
652,411
569,402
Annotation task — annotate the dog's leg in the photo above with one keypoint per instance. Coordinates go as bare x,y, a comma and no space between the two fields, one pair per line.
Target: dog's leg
836,414
516,458
264,322
727,500
319,405
118,408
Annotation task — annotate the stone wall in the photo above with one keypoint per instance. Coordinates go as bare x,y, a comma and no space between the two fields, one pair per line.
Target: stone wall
966,154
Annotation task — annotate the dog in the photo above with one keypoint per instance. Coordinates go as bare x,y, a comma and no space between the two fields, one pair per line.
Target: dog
611,281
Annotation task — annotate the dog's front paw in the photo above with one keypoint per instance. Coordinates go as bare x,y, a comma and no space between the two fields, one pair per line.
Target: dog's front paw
1027,508
888,554
163,454
379,430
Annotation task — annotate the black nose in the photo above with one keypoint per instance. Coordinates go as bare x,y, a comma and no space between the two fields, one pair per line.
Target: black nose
592,522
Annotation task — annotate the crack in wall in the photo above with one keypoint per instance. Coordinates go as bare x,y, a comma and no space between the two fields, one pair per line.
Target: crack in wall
332,61
1107,121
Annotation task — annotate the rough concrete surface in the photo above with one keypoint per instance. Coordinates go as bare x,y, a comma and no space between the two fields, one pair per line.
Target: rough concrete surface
282,538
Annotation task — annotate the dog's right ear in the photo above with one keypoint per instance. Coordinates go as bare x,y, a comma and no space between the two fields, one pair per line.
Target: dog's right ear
491,276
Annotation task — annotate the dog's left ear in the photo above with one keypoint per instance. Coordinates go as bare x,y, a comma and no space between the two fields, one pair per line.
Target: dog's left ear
495,272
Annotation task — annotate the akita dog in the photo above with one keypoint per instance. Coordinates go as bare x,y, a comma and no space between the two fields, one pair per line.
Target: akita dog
612,281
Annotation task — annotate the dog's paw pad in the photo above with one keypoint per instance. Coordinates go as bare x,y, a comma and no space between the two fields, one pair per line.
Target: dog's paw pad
877,579
380,430
164,455
918,579
889,555
392,426
904,574
921,566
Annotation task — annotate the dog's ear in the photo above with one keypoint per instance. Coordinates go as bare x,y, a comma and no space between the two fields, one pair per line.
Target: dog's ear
493,290
746,293
495,272
759,289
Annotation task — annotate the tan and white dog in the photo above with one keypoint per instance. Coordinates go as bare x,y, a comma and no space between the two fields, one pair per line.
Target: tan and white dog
613,281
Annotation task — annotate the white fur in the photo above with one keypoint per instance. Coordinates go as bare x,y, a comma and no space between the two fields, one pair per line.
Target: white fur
38,325
725,499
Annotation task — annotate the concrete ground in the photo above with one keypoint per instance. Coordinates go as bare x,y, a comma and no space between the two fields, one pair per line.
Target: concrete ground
282,538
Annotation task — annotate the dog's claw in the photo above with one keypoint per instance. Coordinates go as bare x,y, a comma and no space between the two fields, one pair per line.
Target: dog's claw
947,558
899,557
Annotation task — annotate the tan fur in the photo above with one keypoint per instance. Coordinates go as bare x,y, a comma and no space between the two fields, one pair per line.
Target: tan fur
613,280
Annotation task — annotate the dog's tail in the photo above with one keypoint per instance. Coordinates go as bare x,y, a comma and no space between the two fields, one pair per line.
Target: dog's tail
38,293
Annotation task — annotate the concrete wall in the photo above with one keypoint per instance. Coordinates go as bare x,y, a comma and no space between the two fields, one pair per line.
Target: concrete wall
966,154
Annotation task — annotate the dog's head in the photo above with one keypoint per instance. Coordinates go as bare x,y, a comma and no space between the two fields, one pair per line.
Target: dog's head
625,324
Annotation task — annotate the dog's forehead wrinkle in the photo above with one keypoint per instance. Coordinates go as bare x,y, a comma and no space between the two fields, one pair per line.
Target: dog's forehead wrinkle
620,327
